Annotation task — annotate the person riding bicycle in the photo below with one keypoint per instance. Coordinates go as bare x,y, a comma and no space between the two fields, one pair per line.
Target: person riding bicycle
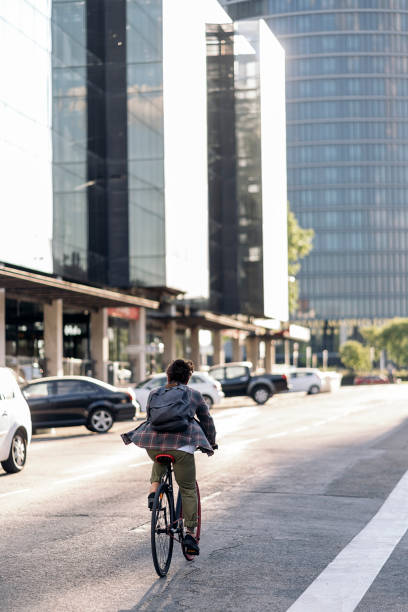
180,444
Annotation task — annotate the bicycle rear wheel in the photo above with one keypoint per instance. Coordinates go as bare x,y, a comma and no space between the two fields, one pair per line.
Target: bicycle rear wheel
198,528
161,535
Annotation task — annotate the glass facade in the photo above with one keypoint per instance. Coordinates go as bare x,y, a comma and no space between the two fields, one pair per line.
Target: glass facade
25,134
70,145
247,198
222,169
145,143
347,109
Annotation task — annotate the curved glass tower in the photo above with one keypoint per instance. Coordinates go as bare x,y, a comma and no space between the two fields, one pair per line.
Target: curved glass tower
347,135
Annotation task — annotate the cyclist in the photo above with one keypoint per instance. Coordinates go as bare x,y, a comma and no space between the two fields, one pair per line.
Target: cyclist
182,445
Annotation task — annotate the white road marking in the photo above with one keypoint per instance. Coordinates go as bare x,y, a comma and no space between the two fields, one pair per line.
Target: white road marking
141,529
237,446
318,423
278,435
207,497
299,429
142,463
14,492
345,581
107,462
65,480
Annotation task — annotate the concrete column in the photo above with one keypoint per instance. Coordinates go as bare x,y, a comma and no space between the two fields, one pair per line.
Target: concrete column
195,347
343,332
53,338
236,349
286,345
137,338
252,349
100,343
219,355
169,341
270,357
2,327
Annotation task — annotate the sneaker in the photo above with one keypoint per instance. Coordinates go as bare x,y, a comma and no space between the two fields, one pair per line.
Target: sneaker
150,500
190,545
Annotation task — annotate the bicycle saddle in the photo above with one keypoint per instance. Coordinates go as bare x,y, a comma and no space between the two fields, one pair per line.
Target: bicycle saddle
165,459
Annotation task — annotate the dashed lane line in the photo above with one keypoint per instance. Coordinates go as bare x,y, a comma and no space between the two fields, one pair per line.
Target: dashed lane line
345,581
208,497
14,492
279,434
82,477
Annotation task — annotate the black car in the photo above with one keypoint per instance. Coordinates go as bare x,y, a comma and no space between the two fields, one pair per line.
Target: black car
236,379
78,400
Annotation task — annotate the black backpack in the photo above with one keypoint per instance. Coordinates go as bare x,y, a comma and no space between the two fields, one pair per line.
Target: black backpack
170,409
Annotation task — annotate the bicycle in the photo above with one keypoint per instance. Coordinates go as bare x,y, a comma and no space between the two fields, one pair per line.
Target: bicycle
167,520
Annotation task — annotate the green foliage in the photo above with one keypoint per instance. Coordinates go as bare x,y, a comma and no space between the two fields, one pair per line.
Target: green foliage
372,336
300,243
355,356
393,337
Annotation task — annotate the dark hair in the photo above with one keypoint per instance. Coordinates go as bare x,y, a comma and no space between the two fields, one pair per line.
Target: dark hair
180,371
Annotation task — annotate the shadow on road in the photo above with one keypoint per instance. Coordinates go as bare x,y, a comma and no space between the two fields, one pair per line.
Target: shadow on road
157,590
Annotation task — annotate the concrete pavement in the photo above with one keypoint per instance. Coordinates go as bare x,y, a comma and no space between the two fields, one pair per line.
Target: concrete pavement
293,483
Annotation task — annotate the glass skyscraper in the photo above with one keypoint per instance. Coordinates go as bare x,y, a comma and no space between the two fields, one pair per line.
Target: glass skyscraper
247,197
347,137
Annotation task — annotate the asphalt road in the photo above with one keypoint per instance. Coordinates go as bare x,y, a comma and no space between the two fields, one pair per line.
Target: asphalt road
304,508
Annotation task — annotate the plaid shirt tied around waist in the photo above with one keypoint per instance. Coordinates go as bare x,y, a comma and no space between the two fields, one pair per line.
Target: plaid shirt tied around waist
200,434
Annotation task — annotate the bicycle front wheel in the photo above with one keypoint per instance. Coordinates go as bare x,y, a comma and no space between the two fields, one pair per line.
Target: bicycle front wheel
161,534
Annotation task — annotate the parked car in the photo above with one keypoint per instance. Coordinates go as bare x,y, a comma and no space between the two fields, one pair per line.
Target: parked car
78,400
15,424
236,379
313,380
305,380
373,379
209,388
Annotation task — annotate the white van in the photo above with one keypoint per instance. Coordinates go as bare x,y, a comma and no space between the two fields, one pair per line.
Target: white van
15,423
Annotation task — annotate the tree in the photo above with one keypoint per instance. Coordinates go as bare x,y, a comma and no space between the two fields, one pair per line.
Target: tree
355,356
393,337
300,243
372,335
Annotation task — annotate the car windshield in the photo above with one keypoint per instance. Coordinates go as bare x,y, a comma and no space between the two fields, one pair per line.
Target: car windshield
143,383
152,382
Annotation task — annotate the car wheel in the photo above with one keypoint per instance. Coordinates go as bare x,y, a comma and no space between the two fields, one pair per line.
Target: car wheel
100,420
18,454
314,389
208,400
261,394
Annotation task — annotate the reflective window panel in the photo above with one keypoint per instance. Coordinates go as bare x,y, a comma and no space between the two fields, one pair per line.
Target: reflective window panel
347,137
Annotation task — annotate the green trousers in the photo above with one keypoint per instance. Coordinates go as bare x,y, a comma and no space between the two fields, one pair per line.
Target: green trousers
185,474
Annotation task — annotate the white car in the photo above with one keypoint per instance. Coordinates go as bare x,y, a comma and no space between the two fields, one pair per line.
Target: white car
313,380
305,380
15,423
209,388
